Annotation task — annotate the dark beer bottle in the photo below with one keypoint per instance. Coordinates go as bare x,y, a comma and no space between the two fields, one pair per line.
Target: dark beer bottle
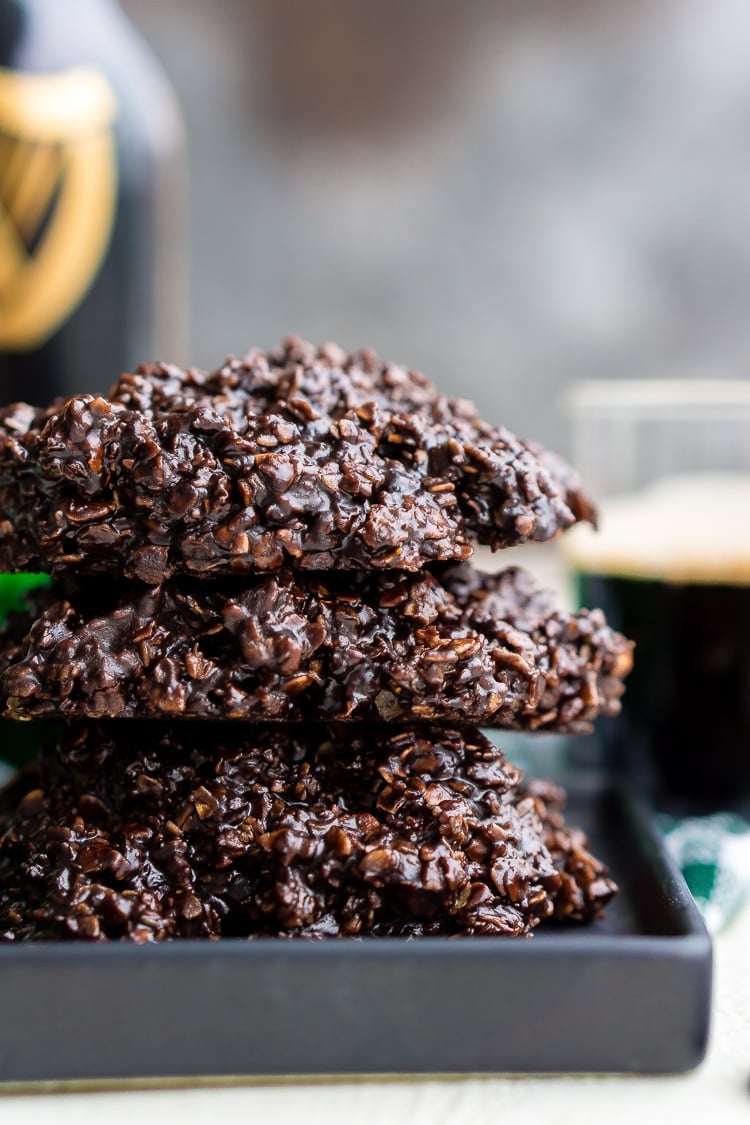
92,276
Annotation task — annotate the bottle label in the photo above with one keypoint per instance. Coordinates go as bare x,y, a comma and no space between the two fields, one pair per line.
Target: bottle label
58,187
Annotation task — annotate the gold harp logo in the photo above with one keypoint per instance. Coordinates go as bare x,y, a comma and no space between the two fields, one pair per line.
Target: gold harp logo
58,184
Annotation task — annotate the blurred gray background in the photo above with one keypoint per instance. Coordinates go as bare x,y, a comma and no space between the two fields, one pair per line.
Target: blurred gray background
506,196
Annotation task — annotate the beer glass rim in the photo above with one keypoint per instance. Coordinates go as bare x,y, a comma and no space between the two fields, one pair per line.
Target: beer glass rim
658,397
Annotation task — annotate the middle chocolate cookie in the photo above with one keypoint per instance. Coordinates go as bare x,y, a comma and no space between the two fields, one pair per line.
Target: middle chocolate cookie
454,645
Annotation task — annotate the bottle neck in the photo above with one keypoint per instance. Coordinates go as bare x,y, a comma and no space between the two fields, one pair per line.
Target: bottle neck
67,10
35,34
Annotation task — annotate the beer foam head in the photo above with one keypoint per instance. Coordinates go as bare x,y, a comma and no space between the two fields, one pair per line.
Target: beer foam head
687,528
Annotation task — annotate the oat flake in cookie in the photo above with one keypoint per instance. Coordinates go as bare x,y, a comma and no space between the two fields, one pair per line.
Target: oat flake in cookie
455,645
300,455
146,832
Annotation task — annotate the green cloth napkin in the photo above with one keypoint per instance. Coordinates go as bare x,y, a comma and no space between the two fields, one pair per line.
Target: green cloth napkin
19,742
14,586
713,853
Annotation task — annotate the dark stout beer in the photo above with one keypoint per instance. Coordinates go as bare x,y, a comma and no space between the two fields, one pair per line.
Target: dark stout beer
687,702
91,273
671,569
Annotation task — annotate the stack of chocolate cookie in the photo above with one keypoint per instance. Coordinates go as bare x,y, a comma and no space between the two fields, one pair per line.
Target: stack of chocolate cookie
268,658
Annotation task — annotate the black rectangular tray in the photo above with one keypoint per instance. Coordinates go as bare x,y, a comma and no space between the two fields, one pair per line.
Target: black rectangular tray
630,993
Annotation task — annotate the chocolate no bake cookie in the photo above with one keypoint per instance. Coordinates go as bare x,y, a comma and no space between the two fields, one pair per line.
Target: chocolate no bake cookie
146,832
313,457
454,645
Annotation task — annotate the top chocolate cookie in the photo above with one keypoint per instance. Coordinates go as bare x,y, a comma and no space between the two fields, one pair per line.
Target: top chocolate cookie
300,455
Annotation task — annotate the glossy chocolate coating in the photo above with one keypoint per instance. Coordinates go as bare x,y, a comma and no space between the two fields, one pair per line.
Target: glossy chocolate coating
146,832
300,455
456,645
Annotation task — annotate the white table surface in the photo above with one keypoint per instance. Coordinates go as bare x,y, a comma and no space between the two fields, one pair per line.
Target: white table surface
717,1093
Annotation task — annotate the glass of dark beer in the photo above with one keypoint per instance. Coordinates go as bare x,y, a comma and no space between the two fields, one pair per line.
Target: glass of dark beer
669,462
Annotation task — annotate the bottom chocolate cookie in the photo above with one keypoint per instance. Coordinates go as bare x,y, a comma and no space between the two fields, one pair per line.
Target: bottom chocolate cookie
137,832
